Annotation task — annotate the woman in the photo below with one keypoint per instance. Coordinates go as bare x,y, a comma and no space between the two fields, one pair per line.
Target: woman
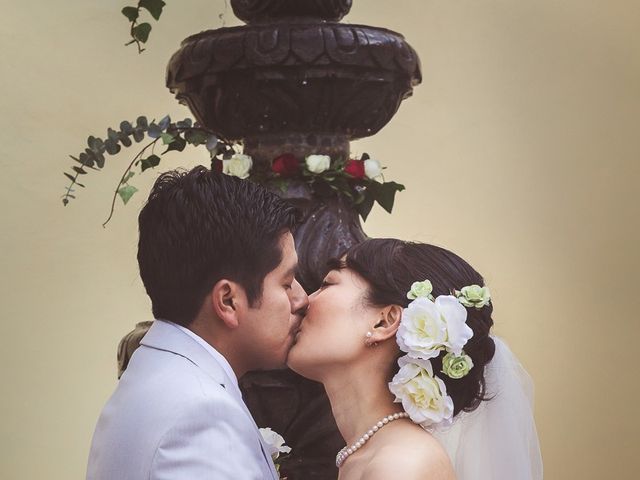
399,334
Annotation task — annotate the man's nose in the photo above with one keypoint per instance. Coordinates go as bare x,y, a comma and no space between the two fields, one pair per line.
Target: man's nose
299,298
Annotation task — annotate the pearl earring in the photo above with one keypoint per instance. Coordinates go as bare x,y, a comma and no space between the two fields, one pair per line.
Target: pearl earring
367,343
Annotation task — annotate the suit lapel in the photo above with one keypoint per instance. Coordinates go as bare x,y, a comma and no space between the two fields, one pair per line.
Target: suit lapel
165,336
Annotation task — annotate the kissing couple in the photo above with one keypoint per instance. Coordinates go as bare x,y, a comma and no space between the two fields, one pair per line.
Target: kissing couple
399,334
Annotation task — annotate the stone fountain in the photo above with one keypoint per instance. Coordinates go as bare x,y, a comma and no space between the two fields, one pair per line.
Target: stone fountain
296,80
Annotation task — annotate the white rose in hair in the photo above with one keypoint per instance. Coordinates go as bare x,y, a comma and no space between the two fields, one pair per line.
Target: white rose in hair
372,168
428,327
423,396
238,165
318,163
275,442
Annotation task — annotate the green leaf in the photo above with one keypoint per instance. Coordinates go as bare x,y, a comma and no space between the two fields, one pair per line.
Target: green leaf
150,162
131,13
178,145
385,194
153,6
167,138
127,192
141,32
128,177
364,207
195,137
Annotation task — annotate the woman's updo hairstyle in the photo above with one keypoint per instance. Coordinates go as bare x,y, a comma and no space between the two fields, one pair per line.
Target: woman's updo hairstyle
391,266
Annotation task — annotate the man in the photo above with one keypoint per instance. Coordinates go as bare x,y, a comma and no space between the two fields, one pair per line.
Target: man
217,259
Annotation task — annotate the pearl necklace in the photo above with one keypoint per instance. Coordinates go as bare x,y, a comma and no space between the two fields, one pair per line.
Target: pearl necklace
347,451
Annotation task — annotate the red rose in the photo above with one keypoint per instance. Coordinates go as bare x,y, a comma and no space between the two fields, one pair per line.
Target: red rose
355,168
216,165
286,165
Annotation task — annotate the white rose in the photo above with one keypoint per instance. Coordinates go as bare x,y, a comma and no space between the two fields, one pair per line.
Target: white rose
455,316
372,168
238,165
423,396
318,163
428,327
275,442
423,331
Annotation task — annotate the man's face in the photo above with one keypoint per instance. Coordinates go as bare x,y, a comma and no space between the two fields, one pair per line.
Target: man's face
270,326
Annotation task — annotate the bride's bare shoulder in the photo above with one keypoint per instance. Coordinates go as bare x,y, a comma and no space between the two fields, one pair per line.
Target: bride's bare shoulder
412,454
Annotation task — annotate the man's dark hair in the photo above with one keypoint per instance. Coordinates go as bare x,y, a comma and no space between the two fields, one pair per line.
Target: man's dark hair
199,227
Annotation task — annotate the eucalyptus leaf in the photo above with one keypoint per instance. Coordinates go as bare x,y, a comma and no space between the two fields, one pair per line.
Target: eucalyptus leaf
124,140
79,170
126,127
154,131
212,143
141,122
69,176
141,32
111,146
164,122
126,192
138,135
153,6
131,13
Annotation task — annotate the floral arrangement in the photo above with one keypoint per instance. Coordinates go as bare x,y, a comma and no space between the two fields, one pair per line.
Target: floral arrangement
361,180
276,445
429,327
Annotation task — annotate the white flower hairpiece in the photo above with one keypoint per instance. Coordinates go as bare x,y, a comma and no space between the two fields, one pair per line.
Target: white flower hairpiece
430,326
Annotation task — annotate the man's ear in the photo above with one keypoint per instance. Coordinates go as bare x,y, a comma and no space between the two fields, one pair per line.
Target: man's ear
387,324
227,298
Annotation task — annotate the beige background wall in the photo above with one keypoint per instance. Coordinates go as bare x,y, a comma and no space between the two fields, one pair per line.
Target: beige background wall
519,151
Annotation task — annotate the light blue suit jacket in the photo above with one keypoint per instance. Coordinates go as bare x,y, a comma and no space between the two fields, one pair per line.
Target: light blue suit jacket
176,414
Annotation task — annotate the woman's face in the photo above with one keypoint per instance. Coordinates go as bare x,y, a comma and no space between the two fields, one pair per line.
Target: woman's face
333,332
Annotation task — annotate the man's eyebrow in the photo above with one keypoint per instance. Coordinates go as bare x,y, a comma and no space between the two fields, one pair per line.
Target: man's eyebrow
292,271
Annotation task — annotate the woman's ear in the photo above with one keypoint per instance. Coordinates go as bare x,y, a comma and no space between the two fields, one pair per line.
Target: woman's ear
387,325
226,300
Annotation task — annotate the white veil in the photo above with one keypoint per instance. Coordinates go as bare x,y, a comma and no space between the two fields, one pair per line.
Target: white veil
498,440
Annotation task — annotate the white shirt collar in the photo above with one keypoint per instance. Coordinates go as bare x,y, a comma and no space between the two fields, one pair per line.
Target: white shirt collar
217,355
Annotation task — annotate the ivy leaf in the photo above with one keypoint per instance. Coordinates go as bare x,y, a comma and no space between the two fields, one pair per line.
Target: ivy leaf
385,194
153,6
195,137
131,13
364,207
167,138
141,32
128,177
150,162
178,145
126,192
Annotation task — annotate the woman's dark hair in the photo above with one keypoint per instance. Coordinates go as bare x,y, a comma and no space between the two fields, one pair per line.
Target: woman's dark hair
199,227
390,266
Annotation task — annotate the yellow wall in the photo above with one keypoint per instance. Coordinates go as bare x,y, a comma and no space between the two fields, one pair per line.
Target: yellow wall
519,151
